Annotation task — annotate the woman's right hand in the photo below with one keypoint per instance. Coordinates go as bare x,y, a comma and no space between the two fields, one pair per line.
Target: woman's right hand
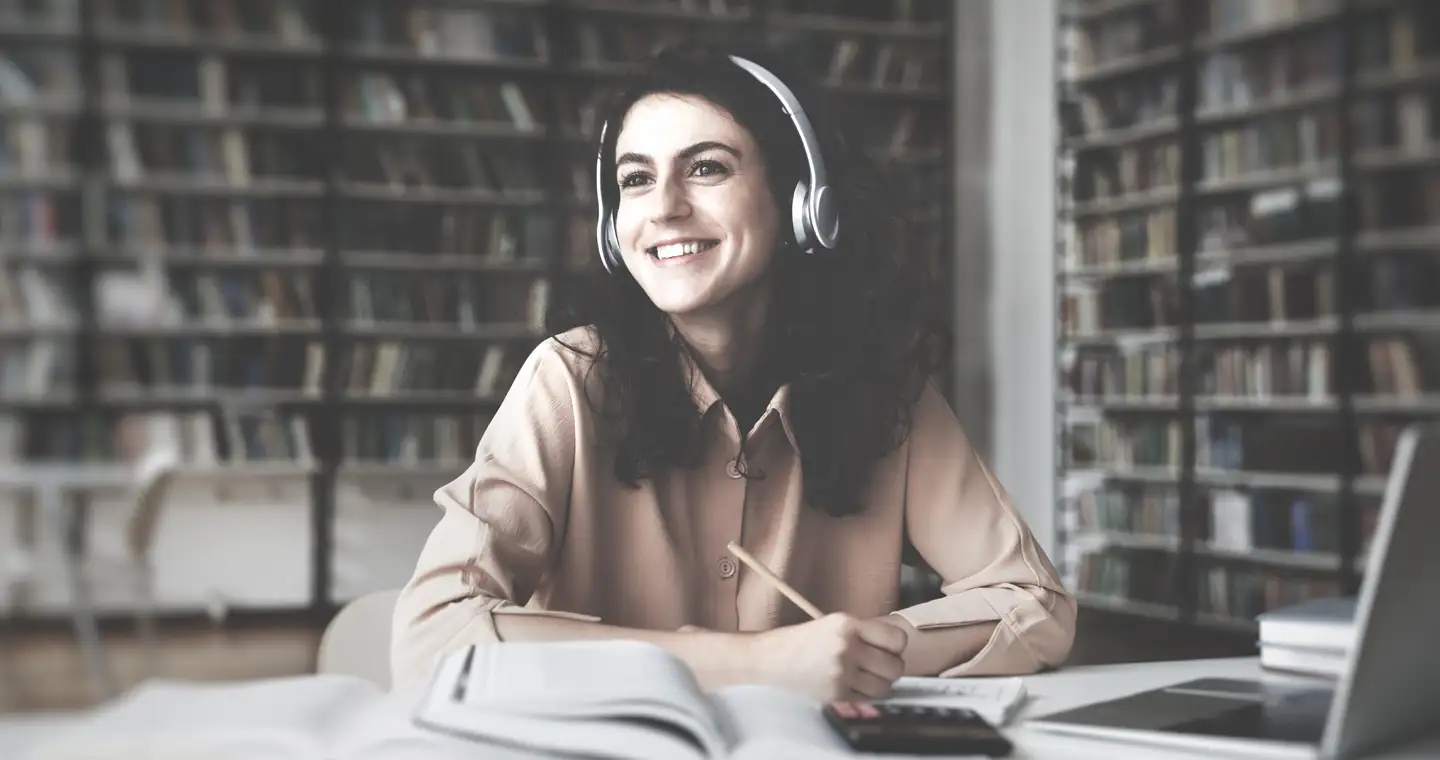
835,657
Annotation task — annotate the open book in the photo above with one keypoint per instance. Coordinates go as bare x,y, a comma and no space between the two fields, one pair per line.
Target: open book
335,717
508,701
626,699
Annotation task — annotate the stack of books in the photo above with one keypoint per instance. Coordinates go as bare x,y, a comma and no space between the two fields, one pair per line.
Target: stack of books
1313,638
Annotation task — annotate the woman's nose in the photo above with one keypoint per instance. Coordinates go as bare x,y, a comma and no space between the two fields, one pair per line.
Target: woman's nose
671,200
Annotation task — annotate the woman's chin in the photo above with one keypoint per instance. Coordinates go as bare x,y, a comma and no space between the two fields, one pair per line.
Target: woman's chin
679,298
681,306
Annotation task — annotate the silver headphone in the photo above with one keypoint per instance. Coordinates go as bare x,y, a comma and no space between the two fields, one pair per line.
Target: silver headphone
813,216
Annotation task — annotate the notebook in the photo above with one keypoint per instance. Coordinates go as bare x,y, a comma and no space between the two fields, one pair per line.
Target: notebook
626,699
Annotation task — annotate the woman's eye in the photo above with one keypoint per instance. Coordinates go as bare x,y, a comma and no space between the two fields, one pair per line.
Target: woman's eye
633,179
708,168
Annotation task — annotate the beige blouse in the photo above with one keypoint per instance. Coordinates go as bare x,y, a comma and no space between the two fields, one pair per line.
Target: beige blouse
538,524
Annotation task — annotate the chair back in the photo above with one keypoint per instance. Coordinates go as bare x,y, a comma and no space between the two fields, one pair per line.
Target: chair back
155,471
357,640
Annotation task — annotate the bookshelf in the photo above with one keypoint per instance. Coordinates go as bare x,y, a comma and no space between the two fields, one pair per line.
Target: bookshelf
1250,199
318,237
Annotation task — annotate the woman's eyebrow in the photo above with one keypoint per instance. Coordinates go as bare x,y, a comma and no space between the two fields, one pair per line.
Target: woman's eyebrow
690,152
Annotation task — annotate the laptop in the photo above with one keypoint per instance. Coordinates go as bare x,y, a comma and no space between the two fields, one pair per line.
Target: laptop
1385,696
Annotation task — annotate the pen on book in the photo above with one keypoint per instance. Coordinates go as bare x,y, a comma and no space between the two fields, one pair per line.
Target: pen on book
774,580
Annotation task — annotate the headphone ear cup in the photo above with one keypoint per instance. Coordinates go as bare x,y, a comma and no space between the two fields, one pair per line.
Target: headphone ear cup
800,218
602,237
613,241
825,221
611,249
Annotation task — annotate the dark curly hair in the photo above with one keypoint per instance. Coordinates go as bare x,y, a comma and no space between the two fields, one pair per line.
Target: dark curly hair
855,331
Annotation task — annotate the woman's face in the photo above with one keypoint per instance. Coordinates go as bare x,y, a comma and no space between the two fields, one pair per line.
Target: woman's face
696,221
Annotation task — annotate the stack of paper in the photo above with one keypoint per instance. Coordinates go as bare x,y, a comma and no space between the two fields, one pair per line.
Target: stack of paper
1312,638
995,699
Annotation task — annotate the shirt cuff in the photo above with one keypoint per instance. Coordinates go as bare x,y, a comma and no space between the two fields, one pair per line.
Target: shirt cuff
1029,634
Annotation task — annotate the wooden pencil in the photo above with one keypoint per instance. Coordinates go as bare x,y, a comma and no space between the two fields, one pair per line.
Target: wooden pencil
774,580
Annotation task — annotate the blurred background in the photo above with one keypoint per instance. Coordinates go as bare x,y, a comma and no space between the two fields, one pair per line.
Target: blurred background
266,266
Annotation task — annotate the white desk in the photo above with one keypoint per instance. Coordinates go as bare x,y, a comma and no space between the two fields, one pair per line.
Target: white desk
20,733
1049,693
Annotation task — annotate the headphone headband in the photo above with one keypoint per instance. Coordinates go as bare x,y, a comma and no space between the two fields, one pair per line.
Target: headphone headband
814,219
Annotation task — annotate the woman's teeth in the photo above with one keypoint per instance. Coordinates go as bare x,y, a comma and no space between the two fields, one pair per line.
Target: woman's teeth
683,249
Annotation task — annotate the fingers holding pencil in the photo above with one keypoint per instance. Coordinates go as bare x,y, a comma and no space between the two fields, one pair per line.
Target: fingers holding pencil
831,657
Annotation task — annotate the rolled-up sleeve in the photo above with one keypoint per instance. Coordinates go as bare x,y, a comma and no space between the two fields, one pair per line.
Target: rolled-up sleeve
494,541
964,525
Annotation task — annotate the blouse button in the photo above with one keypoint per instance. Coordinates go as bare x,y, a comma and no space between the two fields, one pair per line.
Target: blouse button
732,468
726,566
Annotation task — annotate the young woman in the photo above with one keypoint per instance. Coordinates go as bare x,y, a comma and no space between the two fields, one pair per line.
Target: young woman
739,376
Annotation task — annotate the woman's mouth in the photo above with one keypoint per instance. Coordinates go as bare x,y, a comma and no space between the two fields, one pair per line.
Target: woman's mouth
677,250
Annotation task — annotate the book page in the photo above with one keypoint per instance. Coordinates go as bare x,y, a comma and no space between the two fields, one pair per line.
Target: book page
759,720
580,679
275,717
598,698
494,735
385,729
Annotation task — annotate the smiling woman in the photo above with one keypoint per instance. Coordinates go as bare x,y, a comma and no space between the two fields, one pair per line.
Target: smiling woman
697,153
746,374
696,222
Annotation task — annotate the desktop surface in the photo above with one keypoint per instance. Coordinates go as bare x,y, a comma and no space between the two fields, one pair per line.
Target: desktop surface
1049,693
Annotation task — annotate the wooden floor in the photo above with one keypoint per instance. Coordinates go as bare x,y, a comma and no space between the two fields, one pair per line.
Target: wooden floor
42,671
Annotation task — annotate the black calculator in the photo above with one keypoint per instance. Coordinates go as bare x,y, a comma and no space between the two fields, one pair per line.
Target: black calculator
915,729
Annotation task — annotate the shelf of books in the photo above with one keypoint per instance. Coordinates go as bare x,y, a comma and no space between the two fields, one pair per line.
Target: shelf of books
318,237
40,211
1247,262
